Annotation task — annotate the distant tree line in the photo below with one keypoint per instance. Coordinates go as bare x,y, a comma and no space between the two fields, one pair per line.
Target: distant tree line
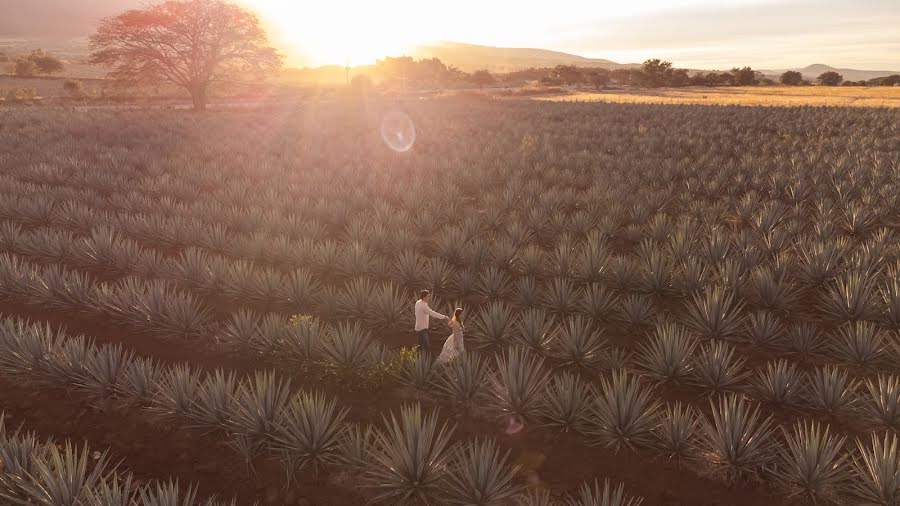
832,78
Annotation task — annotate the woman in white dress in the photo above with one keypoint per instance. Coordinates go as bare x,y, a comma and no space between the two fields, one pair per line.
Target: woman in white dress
455,346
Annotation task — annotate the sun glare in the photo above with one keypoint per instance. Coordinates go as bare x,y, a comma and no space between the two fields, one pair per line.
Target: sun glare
331,33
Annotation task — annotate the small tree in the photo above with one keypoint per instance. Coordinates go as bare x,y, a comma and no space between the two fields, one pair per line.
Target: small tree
744,76
483,78
25,67
189,43
568,74
792,78
830,78
656,72
46,63
600,78
73,88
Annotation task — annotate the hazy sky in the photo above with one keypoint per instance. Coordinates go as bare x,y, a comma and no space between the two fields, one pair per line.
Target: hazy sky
769,34
692,33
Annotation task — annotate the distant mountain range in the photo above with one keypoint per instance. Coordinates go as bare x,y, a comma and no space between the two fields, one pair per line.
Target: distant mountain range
813,71
470,57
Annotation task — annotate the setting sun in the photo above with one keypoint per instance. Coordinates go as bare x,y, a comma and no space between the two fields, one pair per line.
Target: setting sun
330,33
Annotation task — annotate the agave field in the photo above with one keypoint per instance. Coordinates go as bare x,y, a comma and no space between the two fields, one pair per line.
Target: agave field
665,305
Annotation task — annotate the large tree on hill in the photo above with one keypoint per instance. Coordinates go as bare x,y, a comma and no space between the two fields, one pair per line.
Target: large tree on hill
189,43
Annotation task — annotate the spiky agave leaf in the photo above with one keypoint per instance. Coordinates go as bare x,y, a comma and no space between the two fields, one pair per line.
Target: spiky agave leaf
64,476
105,369
19,454
463,379
387,306
303,340
667,355
780,382
492,325
889,293
535,497
675,431
598,302
851,297
410,458
533,330
763,328
300,287
812,464
527,292
419,372
636,309
166,494
608,495
308,432
734,439
241,329
831,390
348,348
716,369
567,401
805,338
576,342
111,491
560,295
481,475
258,404
515,386
214,400
622,412
356,298
714,314
882,405
177,391
493,283
355,447
860,344
876,470
771,291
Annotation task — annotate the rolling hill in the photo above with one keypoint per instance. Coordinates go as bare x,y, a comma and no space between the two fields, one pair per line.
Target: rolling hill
811,72
470,57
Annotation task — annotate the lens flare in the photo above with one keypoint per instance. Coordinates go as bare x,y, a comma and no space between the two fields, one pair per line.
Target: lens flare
398,131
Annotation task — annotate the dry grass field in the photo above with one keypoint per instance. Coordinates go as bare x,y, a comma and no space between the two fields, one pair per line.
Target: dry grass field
849,96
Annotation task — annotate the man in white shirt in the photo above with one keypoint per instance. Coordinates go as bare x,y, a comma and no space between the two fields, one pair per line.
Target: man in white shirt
423,319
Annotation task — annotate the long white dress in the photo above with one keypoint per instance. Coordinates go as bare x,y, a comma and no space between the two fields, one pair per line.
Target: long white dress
454,346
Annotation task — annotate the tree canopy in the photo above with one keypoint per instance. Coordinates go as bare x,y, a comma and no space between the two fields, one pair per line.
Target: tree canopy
189,43
792,78
830,78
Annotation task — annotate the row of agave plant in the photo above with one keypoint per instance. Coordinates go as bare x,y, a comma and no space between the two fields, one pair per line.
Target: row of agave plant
158,308
671,354
853,296
50,473
674,256
409,458
588,278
